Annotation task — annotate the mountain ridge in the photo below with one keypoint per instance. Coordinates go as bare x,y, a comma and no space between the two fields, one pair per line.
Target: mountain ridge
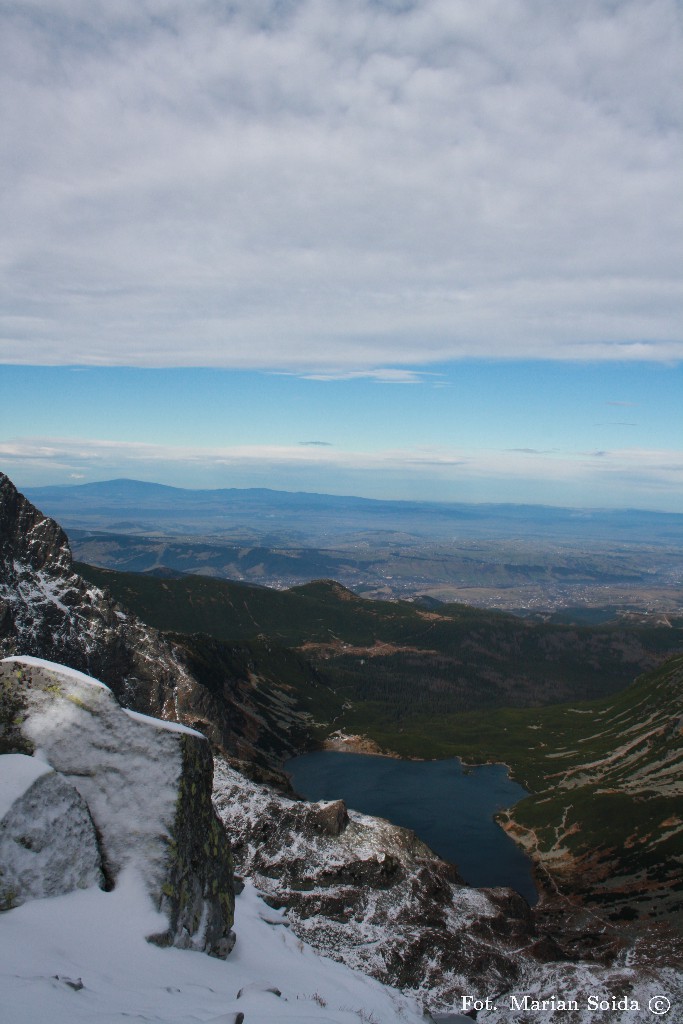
48,610
123,486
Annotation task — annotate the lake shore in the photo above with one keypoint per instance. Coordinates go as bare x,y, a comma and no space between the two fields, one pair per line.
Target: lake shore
451,806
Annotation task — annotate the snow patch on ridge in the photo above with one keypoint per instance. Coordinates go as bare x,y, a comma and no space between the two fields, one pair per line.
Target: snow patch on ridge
159,723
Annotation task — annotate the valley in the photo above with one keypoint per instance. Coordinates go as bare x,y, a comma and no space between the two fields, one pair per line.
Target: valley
395,661
587,717
602,821
600,753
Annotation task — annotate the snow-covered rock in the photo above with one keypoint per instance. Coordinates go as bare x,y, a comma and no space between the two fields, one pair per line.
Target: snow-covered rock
48,610
48,844
372,896
146,784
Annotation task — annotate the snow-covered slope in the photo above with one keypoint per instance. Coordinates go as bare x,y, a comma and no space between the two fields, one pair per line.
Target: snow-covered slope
103,786
83,959
370,893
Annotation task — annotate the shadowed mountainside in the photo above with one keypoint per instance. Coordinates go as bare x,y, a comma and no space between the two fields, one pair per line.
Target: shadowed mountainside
395,657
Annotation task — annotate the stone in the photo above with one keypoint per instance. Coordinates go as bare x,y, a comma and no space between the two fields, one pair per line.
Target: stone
330,817
48,843
147,786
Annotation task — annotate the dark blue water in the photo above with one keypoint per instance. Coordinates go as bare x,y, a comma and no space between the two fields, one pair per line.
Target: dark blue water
450,807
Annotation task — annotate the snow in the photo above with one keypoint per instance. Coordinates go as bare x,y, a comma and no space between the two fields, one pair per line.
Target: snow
159,723
52,666
83,957
18,772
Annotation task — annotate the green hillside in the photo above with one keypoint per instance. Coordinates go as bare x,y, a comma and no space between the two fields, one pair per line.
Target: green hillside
395,661
227,610
605,818
607,813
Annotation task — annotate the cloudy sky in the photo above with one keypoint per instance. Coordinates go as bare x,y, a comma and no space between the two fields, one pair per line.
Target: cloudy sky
399,248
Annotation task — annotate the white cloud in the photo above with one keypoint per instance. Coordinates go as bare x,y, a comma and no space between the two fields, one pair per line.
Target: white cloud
634,476
331,184
386,375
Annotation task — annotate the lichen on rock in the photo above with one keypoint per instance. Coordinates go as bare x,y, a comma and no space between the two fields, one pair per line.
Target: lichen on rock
12,713
198,895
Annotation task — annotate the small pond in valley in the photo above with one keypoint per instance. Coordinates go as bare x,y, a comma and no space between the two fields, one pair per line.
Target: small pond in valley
450,806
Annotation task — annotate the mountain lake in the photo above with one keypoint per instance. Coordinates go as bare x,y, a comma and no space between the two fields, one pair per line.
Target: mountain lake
450,806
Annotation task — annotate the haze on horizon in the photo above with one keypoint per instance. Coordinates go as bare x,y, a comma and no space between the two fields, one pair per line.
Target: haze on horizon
379,247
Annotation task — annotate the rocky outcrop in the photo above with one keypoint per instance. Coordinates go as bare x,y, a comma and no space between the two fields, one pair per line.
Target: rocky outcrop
371,895
145,784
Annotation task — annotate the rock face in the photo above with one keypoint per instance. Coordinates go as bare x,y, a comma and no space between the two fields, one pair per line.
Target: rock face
146,785
48,611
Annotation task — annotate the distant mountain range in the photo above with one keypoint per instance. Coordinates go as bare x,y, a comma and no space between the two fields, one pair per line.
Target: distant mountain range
531,559
141,506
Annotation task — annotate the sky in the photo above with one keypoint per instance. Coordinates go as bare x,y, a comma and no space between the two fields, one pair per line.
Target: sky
392,248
